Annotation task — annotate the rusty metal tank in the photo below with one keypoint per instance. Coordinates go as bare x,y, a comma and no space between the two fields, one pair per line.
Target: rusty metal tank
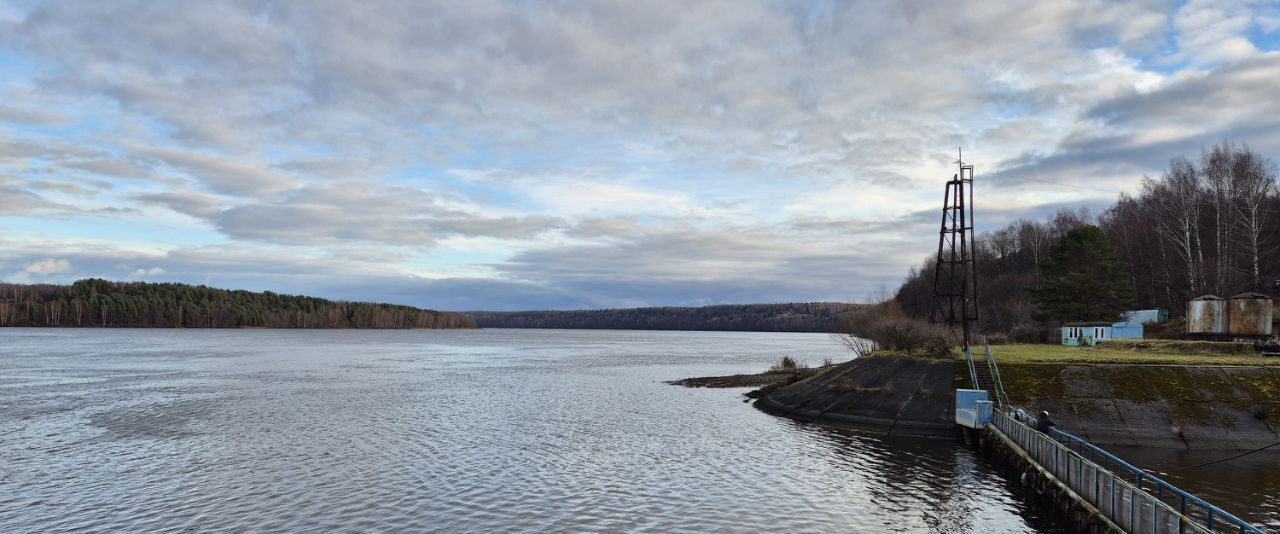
1207,315
1249,314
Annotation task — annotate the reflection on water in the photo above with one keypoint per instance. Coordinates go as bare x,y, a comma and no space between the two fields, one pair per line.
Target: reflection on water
147,430
1248,487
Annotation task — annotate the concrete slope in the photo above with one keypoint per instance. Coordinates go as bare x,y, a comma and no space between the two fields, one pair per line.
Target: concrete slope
1164,406
1194,407
887,395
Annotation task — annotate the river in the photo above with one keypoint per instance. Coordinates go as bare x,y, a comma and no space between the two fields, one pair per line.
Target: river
124,430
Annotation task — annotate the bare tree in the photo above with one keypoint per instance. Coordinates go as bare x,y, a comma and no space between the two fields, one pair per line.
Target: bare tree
1254,182
1177,195
1216,165
1035,240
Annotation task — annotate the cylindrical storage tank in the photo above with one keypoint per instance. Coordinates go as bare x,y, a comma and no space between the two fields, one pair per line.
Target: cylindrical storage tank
1249,314
1207,315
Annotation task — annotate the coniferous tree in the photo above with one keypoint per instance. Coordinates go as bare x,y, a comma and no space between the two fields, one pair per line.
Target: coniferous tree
96,302
1084,278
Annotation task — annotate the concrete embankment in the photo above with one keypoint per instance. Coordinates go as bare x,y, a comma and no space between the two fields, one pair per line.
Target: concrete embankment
1164,406
888,395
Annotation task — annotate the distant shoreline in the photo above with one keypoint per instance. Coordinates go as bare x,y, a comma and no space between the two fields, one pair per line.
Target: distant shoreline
811,317
110,327
94,302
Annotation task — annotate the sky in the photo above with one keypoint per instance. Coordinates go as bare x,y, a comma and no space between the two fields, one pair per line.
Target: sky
494,155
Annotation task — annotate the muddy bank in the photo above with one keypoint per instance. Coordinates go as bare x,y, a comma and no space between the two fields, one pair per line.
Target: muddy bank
767,379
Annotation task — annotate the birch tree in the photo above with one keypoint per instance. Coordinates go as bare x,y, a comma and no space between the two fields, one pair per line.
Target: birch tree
1254,183
1216,167
1177,195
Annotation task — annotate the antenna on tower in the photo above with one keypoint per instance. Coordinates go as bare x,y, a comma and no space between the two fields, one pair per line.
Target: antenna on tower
955,282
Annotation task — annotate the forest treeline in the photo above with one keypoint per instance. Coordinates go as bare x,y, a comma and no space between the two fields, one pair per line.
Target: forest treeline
794,317
1206,226
102,303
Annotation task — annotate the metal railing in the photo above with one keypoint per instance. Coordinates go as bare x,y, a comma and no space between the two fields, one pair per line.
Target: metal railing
973,369
1001,398
1131,498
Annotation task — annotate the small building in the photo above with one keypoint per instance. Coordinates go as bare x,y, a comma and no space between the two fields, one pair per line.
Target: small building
1157,315
1127,330
1092,333
1243,317
1085,333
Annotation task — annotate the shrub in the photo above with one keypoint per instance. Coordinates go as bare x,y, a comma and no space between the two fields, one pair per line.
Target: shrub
997,339
785,364
1175,328
886,326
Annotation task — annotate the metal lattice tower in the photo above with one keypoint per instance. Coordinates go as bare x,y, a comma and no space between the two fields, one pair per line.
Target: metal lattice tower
955,282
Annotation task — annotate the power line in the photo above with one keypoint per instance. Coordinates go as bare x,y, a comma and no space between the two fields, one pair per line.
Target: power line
1075,186
1246,453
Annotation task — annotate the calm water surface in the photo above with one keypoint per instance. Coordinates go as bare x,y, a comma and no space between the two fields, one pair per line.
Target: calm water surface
460,431
1248,487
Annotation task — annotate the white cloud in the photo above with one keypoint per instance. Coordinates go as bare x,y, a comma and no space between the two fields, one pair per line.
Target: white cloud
540,143
144,273
41,270
1213,31
47,266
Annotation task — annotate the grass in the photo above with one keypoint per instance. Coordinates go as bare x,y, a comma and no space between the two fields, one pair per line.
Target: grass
1125,351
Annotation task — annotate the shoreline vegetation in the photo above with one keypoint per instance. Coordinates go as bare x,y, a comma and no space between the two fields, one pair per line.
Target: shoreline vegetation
101,303
1210,226
819,317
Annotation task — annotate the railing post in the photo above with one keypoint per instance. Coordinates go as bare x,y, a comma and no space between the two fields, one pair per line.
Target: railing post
1097,486
1182,509
1133,513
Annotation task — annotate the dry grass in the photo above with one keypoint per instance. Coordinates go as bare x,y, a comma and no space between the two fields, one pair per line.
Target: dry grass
1137,352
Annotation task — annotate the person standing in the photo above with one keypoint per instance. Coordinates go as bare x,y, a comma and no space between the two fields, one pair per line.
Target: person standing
1043,423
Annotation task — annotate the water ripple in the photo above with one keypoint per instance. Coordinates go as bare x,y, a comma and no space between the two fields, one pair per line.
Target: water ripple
230,431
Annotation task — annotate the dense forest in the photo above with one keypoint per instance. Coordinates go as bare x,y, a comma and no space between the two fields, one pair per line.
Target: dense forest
1203,227
96,302
797,317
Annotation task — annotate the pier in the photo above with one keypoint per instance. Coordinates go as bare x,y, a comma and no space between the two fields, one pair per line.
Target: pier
1091,488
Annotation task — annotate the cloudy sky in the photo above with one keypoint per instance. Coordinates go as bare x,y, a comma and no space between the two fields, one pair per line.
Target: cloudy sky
577,154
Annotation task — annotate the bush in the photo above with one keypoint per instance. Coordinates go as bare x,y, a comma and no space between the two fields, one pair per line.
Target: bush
786,364
1034,334
997,339
1175,328
885,326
